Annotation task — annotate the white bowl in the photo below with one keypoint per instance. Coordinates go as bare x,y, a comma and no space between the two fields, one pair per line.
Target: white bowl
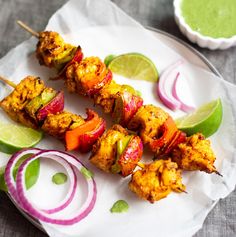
196,37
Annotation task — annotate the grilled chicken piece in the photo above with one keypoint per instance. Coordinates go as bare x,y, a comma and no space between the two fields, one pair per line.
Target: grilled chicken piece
107,95
91,75
14,104
195,154
56,125
148,121
156,180
52,51
70,81
104,151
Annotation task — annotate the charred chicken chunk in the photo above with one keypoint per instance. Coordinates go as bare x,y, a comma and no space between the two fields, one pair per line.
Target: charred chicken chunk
91,75
148,121
156,180
195,154
52,50
104,151
14,104
70,81
107,95
56,125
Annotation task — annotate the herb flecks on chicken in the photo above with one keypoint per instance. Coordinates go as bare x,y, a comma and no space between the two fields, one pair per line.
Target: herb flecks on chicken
14,104
157,180
52,51
195,154
34,105
117,151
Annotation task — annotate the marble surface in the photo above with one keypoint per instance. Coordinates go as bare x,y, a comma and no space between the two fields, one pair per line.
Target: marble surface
221,221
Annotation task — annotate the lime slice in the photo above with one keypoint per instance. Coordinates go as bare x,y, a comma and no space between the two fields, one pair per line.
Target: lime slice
206,119
15,137
134,66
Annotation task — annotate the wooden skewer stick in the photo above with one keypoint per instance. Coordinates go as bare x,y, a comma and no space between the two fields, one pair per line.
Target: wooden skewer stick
8,82
141,165
27,28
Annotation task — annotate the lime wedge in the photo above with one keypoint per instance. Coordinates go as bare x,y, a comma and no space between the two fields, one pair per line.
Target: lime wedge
134,66
206,119
15,137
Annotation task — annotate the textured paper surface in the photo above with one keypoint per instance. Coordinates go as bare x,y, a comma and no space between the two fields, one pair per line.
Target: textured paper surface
101,29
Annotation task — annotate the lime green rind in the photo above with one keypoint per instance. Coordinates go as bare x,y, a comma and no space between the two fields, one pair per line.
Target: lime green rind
13,138
208,125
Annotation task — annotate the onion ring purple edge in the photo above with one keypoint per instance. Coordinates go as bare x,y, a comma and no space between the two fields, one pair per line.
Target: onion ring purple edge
8,176
26,205
12,187
184,107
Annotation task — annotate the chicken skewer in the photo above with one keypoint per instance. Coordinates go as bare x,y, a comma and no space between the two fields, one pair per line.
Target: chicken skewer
90,77
34,105
116,151
156,128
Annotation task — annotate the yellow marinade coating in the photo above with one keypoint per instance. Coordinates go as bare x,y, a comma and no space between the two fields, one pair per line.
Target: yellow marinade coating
14,103
157,180
104,151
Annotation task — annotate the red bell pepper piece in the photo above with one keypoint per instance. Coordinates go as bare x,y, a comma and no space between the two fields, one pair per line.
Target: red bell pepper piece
77,58
170,138
85,135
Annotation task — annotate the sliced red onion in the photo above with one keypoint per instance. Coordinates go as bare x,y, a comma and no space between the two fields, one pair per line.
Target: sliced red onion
8,176
12,184
18,189
186,108
72,189
170,102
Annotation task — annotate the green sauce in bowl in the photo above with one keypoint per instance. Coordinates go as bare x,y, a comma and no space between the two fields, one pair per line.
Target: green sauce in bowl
214,18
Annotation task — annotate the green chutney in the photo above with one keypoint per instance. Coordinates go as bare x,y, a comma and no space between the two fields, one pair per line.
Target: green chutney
214,18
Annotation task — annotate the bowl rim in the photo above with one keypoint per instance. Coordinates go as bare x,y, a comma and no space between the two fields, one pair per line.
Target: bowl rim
177,12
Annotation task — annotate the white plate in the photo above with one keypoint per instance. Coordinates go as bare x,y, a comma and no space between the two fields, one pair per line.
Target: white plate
180,47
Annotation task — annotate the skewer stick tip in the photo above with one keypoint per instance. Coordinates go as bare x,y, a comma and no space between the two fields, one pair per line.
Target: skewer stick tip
27,28
8,82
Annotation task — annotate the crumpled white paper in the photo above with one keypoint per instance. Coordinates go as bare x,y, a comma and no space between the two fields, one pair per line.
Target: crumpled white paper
101,29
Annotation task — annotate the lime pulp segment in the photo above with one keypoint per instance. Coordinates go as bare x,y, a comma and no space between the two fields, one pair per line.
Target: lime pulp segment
15,137
134,66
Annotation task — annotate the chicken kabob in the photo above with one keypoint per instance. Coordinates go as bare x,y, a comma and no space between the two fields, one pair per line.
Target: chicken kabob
117,151
34,105
91,77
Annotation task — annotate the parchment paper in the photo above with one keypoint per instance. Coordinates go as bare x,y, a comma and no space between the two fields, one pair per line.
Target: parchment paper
101,29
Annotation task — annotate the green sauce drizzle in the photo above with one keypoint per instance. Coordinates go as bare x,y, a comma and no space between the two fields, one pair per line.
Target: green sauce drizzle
59,178
86,173
119,207
214,18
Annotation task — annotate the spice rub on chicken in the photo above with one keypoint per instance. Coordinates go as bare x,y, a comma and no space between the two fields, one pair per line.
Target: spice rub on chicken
104,151
117,151
195,154
156,180
52,51
34,105
14,104
57,124
147,121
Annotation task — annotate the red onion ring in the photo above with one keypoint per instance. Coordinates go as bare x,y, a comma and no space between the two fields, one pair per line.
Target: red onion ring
12,184
8,176
168,101
186,108
18,190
